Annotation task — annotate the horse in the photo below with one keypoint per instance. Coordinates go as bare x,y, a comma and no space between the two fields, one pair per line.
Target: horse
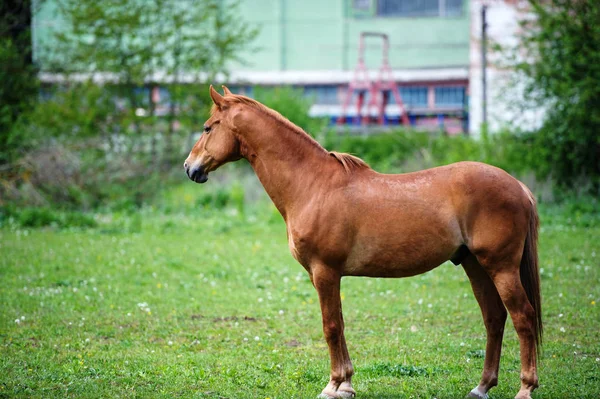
345,219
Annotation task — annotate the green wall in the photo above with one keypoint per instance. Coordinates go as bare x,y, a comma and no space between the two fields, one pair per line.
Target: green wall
323,35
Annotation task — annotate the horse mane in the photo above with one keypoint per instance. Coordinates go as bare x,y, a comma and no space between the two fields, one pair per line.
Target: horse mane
239,99
349,162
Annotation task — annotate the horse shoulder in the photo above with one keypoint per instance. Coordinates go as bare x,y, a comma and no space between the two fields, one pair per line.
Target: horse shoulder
320,230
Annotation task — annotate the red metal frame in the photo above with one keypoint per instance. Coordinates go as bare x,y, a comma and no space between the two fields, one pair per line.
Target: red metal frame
379,89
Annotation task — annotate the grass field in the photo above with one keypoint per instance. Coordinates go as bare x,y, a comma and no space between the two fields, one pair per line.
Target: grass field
211,305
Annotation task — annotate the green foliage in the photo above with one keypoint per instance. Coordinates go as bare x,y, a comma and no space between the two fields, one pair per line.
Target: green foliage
221,198
107,141
134,39
406,150
292,104
18,77
76,111
214,200
561,72
44,217
133,42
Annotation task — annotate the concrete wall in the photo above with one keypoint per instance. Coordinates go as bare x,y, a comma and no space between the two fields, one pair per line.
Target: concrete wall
504,92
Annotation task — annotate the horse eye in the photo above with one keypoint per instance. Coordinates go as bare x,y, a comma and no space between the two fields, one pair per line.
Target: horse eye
206,129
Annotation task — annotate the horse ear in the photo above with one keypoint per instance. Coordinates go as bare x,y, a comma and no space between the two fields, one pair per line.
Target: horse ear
216,97
226,90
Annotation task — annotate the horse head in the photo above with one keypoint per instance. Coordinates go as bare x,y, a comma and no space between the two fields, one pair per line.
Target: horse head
217,145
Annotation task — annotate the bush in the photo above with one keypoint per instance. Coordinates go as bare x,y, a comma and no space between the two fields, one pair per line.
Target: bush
405,150
43,217
557,61
292,104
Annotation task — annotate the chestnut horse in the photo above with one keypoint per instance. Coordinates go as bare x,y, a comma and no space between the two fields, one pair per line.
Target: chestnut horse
344,219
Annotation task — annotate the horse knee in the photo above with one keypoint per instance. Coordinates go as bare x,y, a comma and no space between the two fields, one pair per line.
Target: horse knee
524,322
332,331
495,322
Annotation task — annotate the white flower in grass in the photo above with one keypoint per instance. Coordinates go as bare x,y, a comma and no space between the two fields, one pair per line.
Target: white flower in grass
144,307
257,338
170,343
562,329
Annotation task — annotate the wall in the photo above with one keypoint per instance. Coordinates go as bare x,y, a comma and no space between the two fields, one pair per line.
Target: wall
323,35
503,92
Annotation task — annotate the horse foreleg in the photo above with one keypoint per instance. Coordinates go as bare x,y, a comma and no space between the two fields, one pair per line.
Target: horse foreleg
494,318
327,284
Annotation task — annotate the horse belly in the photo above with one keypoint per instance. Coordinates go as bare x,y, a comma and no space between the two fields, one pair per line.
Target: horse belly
386,263
401,251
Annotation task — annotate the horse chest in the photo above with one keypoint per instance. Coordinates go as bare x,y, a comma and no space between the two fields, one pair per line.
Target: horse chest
293,247
300,247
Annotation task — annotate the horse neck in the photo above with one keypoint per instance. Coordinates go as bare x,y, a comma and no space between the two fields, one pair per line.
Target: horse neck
288,163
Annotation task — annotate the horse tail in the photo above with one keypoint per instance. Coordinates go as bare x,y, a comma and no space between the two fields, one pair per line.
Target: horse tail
530,274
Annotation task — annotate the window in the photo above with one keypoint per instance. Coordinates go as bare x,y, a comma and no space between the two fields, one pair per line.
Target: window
412,96
449,96
419,8
322,94
362,8
361,5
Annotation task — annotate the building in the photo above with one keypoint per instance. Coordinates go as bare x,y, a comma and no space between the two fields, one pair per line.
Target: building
434,54
314,44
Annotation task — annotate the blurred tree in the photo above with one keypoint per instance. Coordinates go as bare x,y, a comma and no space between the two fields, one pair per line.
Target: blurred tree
18,76
135,44
559,56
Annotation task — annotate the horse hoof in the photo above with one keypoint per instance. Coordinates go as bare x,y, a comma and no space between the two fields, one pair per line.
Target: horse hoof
337,395
323,395
345,390
523,395
477,394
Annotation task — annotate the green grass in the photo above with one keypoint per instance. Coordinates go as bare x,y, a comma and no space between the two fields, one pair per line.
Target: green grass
211,305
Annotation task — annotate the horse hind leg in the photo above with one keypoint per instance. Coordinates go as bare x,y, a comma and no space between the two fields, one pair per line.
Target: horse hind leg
494,317
509,286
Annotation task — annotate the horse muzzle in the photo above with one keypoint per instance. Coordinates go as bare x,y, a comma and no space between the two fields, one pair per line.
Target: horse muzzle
196,173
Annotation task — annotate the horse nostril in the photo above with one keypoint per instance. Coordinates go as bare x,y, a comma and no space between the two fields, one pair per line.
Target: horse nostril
185,165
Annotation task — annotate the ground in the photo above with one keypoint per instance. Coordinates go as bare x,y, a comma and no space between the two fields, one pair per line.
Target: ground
211,304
